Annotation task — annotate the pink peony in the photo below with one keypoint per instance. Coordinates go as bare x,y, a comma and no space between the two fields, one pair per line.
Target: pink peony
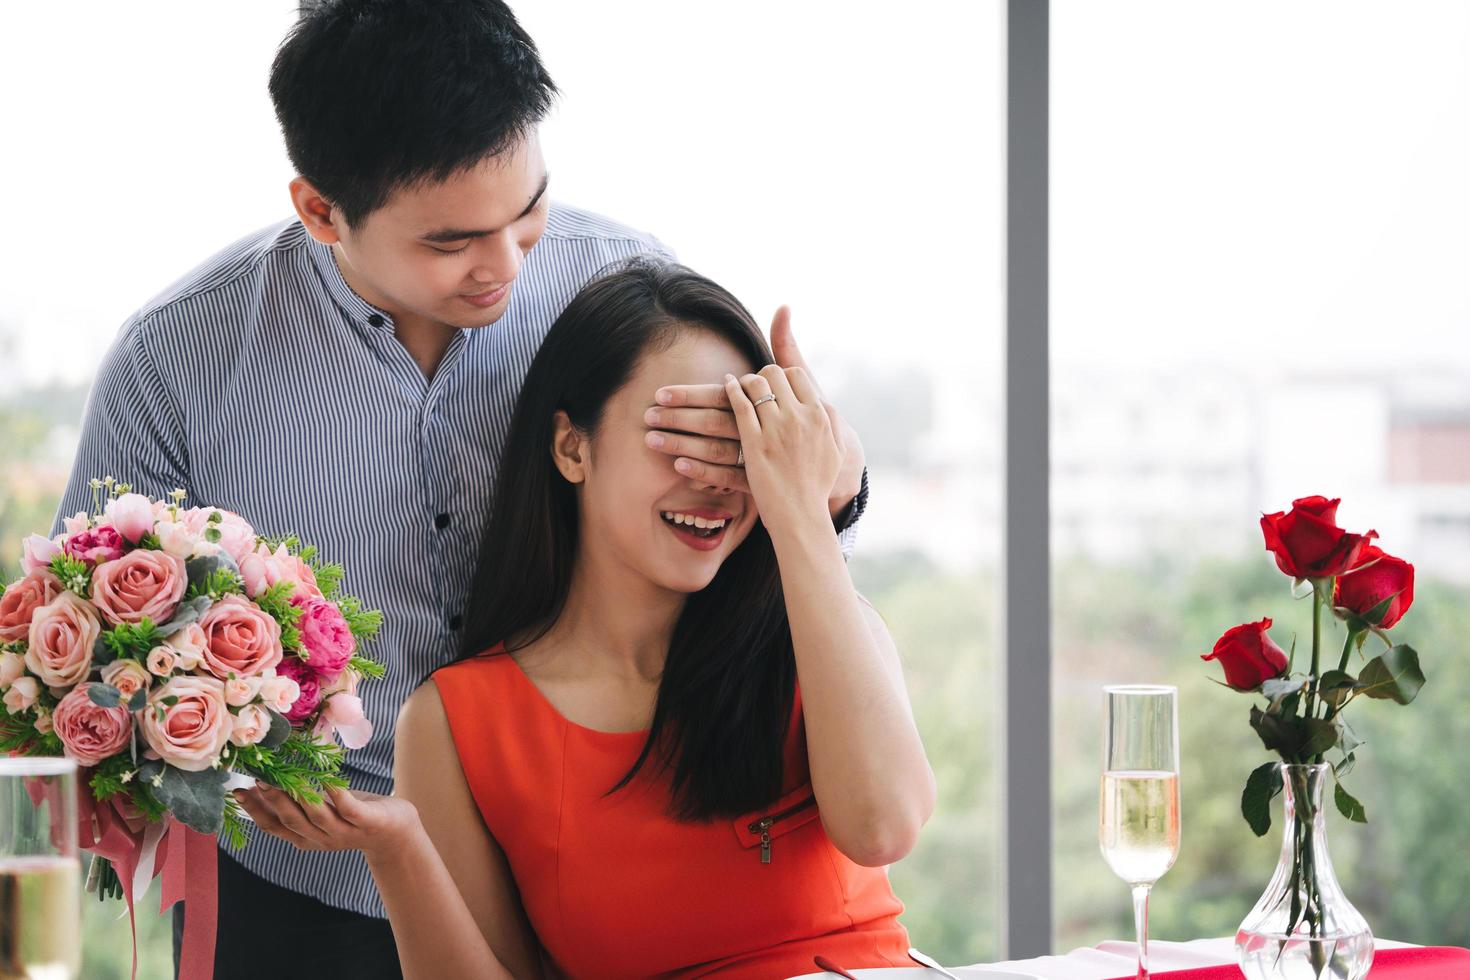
89,731
21,601
193,731
251,725
128,676
310,697
96,546
241,638
327,643
63,633
141,584
263,568
344,713
131,514
37,552
22,694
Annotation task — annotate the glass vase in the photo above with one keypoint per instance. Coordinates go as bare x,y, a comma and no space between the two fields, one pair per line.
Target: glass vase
1304,927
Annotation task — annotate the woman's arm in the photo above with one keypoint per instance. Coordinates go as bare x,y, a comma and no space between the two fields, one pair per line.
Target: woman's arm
869,772
460,924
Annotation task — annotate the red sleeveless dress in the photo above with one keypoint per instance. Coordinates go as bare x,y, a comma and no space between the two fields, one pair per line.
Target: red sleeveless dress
615,887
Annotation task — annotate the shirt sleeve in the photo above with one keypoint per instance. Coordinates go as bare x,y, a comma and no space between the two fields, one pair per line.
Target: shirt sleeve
131,429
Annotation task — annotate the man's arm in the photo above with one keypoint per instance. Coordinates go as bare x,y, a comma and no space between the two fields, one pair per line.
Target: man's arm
131,428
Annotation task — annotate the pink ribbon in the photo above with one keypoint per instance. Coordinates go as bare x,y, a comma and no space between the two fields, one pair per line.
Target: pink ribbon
188,865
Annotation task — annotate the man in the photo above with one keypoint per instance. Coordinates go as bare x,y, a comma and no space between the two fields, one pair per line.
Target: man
349,375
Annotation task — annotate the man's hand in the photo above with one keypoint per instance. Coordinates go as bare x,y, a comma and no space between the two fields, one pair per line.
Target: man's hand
695,425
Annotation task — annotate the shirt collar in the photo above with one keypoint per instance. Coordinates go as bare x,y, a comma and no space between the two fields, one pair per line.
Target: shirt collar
357,309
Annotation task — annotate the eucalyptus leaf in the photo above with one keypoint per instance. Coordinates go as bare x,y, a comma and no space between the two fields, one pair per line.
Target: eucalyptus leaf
104,695
201,568
102,654
188,613
1393,676
1260,789
196,799
280,729
1348,806
139,699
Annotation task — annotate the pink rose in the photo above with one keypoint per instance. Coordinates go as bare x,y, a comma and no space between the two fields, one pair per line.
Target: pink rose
236,536
140,584
96,546
263,568
240,637
20,602
12,665
251,725
240,691
327,642
43,722
188,644
193,731
37,552
131,514
280,693
176,539
344,713
346,683
310,697
63,633
128,676
22,695
89,731
162,660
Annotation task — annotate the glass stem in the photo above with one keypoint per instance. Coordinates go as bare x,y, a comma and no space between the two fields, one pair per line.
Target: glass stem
1140,922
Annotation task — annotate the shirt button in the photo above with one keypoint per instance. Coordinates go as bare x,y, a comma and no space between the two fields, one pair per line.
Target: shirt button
375,320
456,622
442,521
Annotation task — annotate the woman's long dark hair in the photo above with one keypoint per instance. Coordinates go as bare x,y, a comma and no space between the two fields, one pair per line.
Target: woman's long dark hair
726,694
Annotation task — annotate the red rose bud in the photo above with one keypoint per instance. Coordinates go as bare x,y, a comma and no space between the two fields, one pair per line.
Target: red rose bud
1248,656
1374,577
1308,543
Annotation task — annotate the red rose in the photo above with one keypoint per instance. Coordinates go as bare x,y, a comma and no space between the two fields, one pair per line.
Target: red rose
1308,543
1374,577
1248,656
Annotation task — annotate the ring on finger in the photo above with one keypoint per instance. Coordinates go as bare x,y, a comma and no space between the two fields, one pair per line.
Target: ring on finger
762,400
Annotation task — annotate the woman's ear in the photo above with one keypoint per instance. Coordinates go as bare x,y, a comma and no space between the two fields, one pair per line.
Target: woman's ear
569,449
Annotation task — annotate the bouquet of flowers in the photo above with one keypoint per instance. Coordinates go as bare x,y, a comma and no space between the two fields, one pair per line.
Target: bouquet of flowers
1299,716
173,652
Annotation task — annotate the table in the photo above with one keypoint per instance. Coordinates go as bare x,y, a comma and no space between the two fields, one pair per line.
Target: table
1117,958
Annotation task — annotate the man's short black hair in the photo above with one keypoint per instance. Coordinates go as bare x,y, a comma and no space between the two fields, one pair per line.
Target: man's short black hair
374,95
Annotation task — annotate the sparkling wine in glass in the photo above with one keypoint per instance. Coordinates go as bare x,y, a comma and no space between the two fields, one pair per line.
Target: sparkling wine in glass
40,875
1138,814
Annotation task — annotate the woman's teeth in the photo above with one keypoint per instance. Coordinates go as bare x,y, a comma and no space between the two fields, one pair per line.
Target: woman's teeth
697,524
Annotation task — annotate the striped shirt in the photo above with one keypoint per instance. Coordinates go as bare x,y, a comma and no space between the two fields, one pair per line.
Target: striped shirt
262,384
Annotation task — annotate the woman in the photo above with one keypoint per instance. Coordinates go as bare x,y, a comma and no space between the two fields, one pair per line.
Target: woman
682,745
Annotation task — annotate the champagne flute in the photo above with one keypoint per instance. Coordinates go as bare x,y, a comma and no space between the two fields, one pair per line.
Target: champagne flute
40,874
1138,819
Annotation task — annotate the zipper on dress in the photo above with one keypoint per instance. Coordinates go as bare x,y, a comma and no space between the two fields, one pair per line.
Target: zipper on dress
764,824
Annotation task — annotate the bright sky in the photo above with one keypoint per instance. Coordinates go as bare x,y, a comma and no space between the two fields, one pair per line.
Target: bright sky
1228,178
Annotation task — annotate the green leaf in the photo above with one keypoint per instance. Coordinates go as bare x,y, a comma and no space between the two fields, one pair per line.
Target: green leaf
1344,767
1348,806
189,612
197,799
1321,735
1278,734
280,728
201,570
104,695
1347,739
1278,689
1393,676
1336,686
139,699
370,669
1255,803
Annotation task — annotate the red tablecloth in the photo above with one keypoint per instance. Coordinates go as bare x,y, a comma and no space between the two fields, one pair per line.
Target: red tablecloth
1418,963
